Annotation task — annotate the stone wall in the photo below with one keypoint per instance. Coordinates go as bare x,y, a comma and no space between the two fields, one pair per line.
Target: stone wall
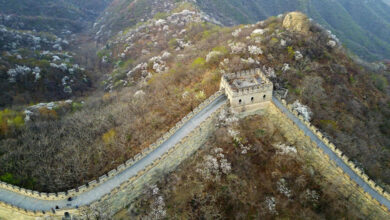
128,191
290,124
134,187
8,211
264,88
4,208
250,98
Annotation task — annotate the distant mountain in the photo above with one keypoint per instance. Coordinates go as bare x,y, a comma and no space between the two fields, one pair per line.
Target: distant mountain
362,25
50,15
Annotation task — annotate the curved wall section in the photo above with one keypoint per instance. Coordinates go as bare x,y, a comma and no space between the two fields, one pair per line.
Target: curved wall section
75,201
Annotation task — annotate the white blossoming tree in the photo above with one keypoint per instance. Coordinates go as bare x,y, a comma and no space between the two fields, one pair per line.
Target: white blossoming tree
255,50
270,205
237,48
214,166
213,55
302,110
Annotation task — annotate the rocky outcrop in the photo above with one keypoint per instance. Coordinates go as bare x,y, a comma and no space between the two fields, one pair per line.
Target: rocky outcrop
296,22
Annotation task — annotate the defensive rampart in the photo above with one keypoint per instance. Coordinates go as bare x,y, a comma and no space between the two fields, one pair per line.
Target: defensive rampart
128,190
266,86
381,197
56,197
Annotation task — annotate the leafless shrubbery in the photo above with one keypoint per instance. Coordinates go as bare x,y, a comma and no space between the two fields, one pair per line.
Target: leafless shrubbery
64,153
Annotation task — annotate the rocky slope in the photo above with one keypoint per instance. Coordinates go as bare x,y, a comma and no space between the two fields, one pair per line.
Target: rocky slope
363,26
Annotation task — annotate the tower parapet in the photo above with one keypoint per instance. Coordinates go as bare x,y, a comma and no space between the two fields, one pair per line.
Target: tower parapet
248,90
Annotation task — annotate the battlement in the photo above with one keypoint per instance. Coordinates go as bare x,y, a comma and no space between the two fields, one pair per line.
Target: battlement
254,94
248,81
58,198
365,185
247,90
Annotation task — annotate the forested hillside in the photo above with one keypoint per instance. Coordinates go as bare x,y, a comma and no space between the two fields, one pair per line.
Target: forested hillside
161,59
165,66
363,26
42,59
248,170
55,16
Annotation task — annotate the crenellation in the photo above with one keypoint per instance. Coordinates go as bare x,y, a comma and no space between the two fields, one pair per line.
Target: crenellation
122,166
71,192
129,162
29,192
387,195
372,184
36,194
112,173
62,194
138,156
245,92
82,188
344,158
379,188
248,90
102,178
351,164
52,195
166,162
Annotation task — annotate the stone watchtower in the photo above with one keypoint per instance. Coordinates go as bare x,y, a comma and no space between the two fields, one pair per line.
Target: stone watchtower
247,91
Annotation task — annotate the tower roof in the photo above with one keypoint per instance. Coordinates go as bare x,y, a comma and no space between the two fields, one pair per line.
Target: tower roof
244,80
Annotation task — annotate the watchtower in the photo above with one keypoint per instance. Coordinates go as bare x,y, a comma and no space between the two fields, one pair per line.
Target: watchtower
247,91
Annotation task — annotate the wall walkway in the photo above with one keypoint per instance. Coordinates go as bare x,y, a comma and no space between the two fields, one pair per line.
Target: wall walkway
113,190
41,204
367,186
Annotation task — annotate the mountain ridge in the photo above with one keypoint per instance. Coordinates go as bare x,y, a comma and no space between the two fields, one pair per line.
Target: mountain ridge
51,16
366,37
161,65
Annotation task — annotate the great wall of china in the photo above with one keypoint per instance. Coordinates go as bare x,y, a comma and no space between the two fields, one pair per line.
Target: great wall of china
119,187
25,204
334,155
